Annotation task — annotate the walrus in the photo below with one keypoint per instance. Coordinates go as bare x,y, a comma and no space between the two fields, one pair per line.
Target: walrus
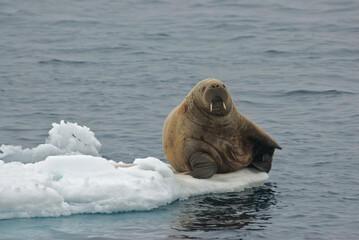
206,134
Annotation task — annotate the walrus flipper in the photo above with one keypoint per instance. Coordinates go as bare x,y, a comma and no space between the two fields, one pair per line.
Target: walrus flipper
263,149
203,165
262,157
256,134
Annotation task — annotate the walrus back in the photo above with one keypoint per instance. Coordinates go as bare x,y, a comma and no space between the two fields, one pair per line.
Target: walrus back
172,140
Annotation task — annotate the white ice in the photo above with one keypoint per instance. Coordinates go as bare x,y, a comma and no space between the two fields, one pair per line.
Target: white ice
67,175
64,139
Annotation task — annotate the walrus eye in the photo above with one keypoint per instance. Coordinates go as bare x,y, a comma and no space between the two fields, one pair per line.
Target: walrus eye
224,86
212,86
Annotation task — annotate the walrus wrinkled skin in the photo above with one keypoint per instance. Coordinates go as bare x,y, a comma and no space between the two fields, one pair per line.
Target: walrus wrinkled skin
206,134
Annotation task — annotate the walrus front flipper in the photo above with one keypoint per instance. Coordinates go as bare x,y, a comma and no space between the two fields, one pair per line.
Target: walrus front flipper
203,166
256,134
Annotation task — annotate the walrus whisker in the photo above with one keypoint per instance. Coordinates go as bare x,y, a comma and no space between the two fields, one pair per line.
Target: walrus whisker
224,106
210,107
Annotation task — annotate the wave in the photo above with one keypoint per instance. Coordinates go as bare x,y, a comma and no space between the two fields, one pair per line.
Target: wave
73,22
242,37
67,175
276,52
315,93
160,34
59,61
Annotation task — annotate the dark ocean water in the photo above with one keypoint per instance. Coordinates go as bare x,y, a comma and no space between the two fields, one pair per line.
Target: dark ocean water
119,67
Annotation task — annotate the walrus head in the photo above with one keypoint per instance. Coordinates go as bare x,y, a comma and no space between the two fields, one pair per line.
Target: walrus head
214,97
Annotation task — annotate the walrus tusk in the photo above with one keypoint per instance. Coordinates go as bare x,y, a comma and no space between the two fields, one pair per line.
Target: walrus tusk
224,106
210,107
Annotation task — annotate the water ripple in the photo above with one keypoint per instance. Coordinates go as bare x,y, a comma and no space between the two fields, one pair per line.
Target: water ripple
229,211
276,52
70,22
59,61
316,93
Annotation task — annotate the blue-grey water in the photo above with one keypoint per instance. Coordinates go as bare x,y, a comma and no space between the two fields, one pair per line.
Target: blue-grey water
119,67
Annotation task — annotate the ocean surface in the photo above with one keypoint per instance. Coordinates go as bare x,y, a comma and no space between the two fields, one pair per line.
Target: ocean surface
119,67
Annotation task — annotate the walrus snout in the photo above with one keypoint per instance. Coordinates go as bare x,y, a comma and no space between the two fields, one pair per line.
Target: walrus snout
215,93
216,97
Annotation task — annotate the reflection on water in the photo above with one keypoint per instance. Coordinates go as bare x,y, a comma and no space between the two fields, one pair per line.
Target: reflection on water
229,211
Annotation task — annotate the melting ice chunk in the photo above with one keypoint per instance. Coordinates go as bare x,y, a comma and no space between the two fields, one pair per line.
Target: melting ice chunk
67,176
64,139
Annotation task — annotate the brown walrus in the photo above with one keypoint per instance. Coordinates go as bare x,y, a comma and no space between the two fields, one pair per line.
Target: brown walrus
206,134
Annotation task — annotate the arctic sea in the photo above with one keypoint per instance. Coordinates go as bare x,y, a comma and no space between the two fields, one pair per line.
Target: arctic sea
113,70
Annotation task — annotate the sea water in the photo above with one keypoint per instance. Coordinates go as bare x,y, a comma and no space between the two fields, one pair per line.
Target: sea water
119,67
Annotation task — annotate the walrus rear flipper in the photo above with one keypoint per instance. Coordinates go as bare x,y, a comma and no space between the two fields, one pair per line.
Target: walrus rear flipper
263,149
203,166
262,157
